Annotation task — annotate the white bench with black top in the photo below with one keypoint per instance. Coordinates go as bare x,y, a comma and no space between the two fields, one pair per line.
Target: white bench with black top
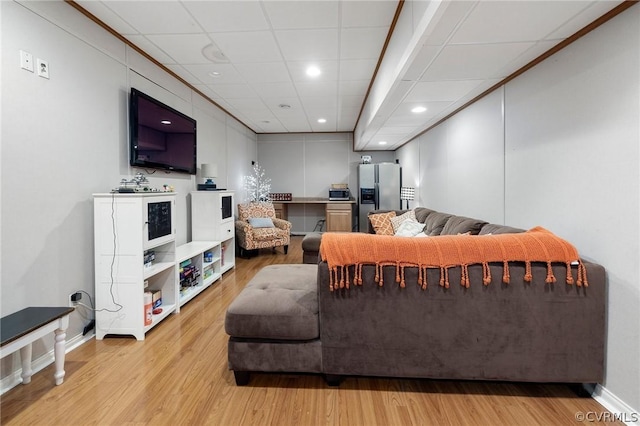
20,329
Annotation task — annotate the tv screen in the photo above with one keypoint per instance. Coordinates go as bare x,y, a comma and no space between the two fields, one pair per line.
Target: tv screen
160,137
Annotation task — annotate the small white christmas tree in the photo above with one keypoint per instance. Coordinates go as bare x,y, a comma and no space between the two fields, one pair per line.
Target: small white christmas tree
257,185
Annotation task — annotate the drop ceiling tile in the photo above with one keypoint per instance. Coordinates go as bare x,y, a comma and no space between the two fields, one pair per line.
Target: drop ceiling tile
440,90
403,117
441,29
302,14
249,105
421,61
357,69
182,48
275,90
346,120
588,15
317,88
151,49
350,101
459,62
254,46
271,127
389,130
107,16
327,126
376,13
294,44
294,103
267,72
182,72
156,17
319,102
362,43
529,55
514,21
353,87
296,125
227,73
222,16
233,91
298,70
388,137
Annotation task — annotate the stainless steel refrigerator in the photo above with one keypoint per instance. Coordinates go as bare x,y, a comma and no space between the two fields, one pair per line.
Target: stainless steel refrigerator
379,188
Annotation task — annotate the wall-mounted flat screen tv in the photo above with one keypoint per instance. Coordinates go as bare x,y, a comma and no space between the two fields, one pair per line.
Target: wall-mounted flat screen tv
159,136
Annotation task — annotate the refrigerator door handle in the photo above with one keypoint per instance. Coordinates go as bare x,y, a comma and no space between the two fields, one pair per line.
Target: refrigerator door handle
377,196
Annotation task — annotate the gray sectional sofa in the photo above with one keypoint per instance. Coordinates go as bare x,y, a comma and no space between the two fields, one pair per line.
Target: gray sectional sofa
522,331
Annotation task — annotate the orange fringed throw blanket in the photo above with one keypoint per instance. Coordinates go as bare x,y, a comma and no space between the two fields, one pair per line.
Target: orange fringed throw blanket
346,253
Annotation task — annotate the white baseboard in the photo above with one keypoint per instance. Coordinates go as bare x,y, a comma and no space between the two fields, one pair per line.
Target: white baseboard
14,379
621,410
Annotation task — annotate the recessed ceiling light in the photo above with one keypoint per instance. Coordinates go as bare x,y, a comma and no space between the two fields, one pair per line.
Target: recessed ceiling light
419,109
313,71
382,143
284,106
322,120
215,74
165,122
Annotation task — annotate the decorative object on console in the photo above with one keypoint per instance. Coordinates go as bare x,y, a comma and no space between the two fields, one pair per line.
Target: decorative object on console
407,193
280,196
257,185
209,172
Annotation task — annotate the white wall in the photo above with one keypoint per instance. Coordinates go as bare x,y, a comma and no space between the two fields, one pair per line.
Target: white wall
67,137
306,164
564,154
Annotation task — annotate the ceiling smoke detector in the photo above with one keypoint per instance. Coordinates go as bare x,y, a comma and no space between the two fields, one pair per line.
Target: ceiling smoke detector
213,54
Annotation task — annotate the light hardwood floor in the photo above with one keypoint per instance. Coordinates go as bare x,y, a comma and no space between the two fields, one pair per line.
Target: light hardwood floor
179,375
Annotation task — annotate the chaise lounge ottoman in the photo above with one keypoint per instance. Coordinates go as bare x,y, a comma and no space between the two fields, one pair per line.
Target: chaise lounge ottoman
273,323
311,247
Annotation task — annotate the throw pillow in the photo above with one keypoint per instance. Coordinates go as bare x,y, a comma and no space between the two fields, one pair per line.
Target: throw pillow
381,223
409,228
261,222
397,221
421,234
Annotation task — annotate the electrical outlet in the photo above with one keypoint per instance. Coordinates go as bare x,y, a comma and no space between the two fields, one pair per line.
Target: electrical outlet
43,68
74,298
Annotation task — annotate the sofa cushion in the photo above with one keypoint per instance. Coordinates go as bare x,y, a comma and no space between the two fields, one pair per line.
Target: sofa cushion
280,302
435,222
397,220
261,222
381,222
491,228
409,228
422,213
462,225
266,234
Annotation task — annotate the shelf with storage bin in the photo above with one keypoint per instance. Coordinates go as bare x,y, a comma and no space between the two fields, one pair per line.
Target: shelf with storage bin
212,219
204,257
135,251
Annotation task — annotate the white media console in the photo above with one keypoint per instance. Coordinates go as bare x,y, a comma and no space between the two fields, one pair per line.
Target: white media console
135,252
